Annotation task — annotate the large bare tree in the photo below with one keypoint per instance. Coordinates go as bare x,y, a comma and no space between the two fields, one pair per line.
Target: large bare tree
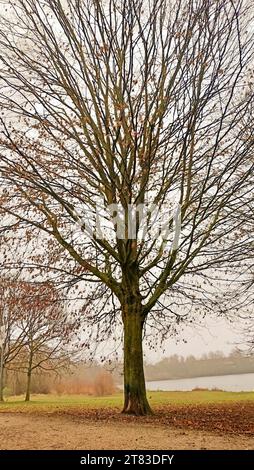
126,115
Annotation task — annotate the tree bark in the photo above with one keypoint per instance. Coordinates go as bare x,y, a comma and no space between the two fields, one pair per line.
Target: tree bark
28,386
135,400
1,386
29,376
2,374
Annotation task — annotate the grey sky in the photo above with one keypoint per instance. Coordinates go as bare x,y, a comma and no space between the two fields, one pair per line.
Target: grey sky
217,335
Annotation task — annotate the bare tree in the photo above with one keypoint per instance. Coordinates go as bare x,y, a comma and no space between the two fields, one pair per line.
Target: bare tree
138,104
36,329
47,328
12,340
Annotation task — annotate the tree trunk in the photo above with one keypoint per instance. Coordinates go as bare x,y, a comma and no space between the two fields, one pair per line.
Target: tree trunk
1,386
29,376
135,400
28,386
2,374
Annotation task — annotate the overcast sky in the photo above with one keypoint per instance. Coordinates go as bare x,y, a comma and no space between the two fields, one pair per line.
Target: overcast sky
218,335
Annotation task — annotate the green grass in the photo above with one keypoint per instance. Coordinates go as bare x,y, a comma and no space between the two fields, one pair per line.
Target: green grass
53,403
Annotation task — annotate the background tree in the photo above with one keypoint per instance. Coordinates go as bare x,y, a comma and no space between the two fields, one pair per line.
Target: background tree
12,339
47,328
37,329
133,103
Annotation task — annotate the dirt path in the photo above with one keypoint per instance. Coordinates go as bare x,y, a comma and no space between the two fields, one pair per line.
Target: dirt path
67,432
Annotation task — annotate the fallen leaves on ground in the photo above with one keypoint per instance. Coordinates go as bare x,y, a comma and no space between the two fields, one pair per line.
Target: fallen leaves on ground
231,418
235,418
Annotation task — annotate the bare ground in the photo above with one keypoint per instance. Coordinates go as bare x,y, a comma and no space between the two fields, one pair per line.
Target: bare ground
26,431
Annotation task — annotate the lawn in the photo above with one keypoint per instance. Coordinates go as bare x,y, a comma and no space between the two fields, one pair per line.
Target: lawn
220,412
52,403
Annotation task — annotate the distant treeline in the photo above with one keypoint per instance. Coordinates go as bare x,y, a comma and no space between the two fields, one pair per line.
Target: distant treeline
177,367
103,379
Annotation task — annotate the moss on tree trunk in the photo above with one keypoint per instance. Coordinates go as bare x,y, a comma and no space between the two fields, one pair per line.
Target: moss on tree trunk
135,400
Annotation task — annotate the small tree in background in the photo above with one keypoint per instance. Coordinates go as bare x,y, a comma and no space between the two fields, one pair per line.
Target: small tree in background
47,329
37,329
12,339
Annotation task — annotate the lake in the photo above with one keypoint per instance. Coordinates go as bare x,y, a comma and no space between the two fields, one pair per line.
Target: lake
229,383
